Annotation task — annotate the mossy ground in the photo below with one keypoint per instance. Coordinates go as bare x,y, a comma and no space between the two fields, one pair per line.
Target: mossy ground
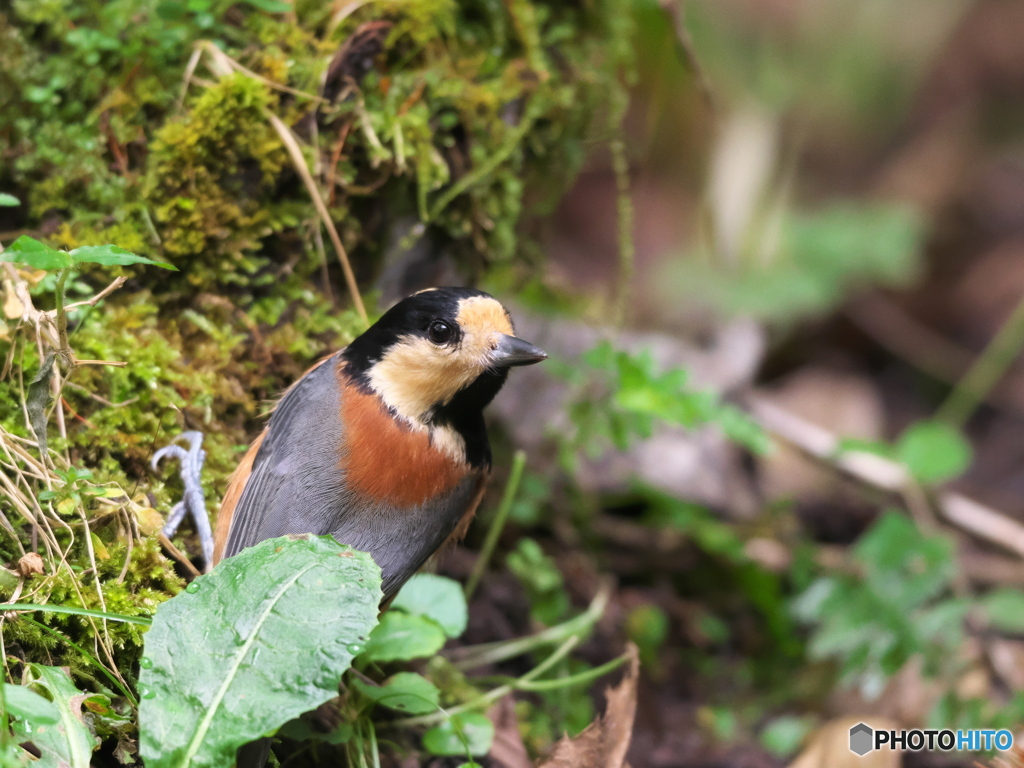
467,119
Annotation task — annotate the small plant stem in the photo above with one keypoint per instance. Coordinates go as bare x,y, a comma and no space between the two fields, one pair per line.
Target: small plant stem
990,366
143,620
515,475
5,733
492,653
496,693
88,657
580,678
487,166
374,750
62,316
624,205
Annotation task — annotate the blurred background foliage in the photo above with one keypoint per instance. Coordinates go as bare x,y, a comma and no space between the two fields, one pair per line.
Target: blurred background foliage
714,215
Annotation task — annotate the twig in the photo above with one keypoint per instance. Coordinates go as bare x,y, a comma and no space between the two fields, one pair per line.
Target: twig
178,555
884,474
95,299
113,363
98,399
186,79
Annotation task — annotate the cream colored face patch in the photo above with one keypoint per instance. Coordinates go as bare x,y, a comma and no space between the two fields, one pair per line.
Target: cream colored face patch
415,374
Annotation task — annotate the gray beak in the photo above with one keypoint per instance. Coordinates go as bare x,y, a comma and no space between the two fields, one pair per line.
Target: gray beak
512,351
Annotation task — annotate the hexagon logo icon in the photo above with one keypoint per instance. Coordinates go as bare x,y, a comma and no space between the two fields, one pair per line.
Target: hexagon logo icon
861,739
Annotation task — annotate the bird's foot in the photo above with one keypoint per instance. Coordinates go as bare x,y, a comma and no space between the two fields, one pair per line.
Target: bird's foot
193,503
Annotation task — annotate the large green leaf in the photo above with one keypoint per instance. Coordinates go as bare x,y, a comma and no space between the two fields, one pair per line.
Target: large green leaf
112,255
263,638
437,598
28,250
8,201
68,742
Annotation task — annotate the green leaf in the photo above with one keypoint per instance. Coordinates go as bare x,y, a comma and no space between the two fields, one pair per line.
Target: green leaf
270,6
933,451
263,638
8,201
402,636
1005,610
111,255
406,692
29,706
469,733
437,598
28,250
68,742
301,729
784,735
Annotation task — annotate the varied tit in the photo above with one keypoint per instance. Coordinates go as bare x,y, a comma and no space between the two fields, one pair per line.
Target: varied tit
382,445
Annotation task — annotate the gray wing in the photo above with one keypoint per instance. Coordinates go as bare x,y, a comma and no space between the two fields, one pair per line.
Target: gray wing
297,485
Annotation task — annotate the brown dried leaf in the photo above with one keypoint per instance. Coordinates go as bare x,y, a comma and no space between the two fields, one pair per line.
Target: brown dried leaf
830,746
13,307
507,750
30,564
603,744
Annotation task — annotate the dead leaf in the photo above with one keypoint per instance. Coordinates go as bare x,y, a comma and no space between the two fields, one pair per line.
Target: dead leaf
507,749
30,564
13,308
603,744
150,521
829,746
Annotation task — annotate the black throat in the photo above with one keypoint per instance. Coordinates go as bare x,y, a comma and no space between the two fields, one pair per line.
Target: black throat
465,414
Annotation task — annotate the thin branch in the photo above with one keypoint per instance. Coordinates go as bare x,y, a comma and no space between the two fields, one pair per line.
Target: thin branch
178,555
884,474
95,299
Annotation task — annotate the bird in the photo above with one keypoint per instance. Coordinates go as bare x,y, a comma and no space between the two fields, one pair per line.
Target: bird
383,444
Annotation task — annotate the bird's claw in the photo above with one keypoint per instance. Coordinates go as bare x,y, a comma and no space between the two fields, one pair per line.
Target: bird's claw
194,502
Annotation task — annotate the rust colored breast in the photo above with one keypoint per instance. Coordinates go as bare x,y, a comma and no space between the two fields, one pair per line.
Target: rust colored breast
387,461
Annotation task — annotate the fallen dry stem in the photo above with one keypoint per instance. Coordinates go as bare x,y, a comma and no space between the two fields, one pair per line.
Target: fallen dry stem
299,161
884,474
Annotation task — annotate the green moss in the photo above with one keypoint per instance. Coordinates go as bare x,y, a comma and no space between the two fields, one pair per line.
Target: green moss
211,181
472,118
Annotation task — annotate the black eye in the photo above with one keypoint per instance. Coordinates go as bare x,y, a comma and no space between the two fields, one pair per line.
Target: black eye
440,332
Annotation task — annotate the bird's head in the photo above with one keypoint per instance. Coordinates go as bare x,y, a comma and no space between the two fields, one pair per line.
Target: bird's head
439,355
